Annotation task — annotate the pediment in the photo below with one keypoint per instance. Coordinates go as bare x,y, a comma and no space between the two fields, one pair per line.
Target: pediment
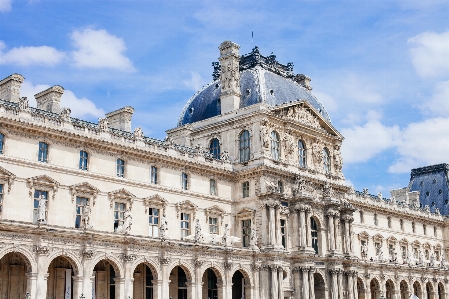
392,240
44,182
85,189
245,213
156,201
416,243
7,176
378,238
427,245
363,235
186,206
404,242
215,210
438,246
121,195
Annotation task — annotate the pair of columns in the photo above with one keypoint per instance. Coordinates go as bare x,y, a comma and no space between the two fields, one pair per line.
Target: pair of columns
301,224
274,221
304,282
338,290
271,279
335,234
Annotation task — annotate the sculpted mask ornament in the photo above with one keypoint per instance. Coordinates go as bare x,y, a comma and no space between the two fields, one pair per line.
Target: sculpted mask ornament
224,156
271,187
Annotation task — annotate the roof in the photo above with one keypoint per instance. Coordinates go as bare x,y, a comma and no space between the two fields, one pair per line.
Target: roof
262,80
432,182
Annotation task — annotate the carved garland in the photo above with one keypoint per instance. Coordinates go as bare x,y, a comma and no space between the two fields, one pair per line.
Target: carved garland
121,195
84,189
7,176
45,182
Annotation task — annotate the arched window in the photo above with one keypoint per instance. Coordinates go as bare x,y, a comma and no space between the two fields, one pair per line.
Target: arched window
214,148
301,154
244,146
275,145
326,161
314,233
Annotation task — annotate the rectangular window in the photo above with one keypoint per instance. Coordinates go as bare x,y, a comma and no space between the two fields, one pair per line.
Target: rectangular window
2,142
437,255
246,232
119,214
213,225
153,222
415,253
404,252
153,174
245,189
213,187
43,152
283,231
185,225
424,228
184,181
1,198
120,168
37,196
80,203
280,187
435,233
84,158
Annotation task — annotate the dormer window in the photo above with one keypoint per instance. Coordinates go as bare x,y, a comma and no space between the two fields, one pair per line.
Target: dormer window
214,148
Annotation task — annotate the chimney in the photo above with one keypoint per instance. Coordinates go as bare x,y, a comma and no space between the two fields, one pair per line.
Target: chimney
121,119
50,99
230,76
10,88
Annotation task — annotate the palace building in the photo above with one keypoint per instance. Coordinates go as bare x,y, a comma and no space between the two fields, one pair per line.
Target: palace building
245,198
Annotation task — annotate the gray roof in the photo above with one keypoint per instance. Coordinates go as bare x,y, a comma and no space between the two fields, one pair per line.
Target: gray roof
272,84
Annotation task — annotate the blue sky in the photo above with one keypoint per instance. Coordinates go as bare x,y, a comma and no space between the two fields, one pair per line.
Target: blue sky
381,68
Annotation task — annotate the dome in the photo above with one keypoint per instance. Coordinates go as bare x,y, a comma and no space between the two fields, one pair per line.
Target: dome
262,80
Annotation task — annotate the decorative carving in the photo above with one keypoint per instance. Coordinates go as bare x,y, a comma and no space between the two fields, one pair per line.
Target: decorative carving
23,103
264,135
88,254
164,261
41,249
65,114
338,160
215,211
186,206
327,191
44,182
121,195
227,265
217,71
224,156
302,187
85,190
164,227
7,176
128,257
127,223
103,124
198,238
155,201
138,133
317,154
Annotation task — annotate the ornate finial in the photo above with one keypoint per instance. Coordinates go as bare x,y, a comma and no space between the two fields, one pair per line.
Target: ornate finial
217,70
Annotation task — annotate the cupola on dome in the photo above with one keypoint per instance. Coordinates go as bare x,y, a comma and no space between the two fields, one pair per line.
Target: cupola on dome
261,79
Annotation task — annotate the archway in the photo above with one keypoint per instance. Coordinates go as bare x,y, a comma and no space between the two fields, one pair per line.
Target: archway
238,285
212,284
375,288
179,283
389,289
14,267
319,285
429,290
417,289
403,287
441,292
105,280
361,291
60,281
143,286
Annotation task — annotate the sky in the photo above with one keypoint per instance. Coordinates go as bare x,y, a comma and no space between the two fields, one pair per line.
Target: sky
380,68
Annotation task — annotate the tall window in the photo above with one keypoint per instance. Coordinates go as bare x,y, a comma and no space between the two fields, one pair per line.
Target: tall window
148,283
413,227
37,196
424,228
153,174
119,214
213,187
314,233
245,189
214,148
43,152
120,168
80,203
244,146
153,222
326,161
1,198
246,232
301,154
401,223
84,159
213,225
389,221
434,230
275,145
375,219
362,219
184,181
283,233
185,227
280,187
2,142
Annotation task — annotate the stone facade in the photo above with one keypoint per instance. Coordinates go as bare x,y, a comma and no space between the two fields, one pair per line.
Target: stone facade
251,203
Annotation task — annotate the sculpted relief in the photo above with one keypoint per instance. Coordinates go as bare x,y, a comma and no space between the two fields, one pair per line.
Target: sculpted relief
302,115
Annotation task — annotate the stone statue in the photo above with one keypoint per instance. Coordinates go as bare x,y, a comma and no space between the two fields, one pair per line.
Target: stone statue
169,140
163,227
443,262
289,146
225,235
364,251
432,260
338,160
379,196
65,114
421,258
265,138
198,235
103,124
437,211
224,156
85,217
253,239
41,209
365,191
408,260
380,256
317,154
128,222
138,133
23,103
427,208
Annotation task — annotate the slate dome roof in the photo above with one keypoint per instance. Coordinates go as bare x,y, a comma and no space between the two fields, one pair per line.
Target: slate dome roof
262,80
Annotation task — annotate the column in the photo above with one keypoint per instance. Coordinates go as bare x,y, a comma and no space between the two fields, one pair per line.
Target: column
128,279
331,231
31,284
119,288
281,285
354,287
165,286
295,228
350,285
199,279
228,280
351,245
272,222
302,227
312,283
340,283
274,282
297,283
256,274
264,290
308,229
278,226
157,288
220,290
337,234
347,241
305,282
42,276
334,287
77,286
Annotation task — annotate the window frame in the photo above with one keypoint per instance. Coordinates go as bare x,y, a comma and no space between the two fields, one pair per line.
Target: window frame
244,146
326,161
314,233
2,143
245,189
283,230
185,230
246,232
215,148
153,175
120,167
43,152
302,151
119,220
213,225
153,228
275,146
280,187
184,181
84,160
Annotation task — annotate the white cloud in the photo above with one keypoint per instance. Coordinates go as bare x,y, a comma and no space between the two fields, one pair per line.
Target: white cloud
357,89
25,56
5,5
439,102
99,49
364,142
430,53
80,107
329,102
423,143
195,83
